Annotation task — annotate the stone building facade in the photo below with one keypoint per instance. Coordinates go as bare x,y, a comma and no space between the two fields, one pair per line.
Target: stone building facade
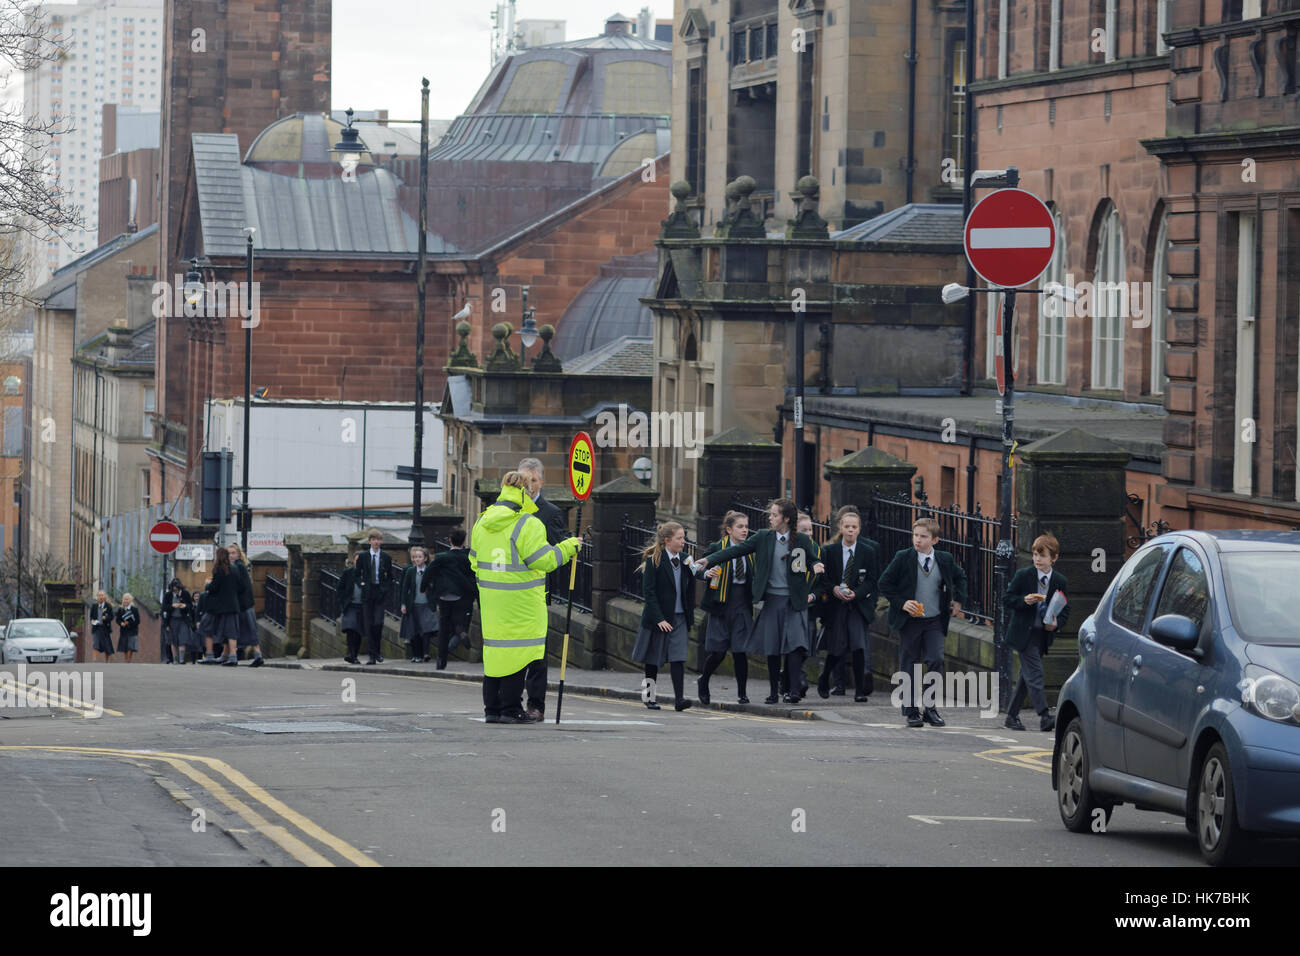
856,93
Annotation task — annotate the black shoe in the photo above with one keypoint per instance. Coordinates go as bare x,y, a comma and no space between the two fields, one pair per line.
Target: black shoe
372,662
350,660
651,705
1013,723
381,659
742,699
772,699
257,662
914,718
442,665
230,662
514,719
1047,722
791,699
682,704
702,691
932,717
837,690
426,659
824,685
861,698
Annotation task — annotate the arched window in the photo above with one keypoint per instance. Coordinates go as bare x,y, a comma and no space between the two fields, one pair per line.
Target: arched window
1051,316
1109,299
1159,306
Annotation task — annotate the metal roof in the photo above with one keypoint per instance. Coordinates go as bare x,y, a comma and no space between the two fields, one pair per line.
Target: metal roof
625,357
295,214
545,137
608,308
915,222
59,292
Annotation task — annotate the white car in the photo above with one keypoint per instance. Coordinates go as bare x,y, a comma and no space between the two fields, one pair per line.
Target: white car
37,640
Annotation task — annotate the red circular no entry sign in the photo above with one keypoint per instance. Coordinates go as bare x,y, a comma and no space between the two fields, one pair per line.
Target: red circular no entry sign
164,537
1010,236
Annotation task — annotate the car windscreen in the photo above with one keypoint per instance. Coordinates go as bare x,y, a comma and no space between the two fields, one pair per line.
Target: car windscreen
36,629
1258,597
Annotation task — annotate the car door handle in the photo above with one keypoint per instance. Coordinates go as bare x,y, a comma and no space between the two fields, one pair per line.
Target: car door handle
1137,664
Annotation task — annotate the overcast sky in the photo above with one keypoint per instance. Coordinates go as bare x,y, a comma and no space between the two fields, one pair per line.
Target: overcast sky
383,47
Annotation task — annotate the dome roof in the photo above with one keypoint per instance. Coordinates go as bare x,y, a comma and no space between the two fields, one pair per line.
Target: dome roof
300,138
609,308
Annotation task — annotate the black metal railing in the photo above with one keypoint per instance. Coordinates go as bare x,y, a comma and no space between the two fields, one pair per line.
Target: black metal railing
633,540
756,511
581,583
1143,532
327,595
275,599
970,537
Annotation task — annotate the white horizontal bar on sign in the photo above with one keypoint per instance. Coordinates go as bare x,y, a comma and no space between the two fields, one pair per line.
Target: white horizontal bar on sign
164,537
1019,237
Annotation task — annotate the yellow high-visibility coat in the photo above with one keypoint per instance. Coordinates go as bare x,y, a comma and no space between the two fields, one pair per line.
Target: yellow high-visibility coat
510,557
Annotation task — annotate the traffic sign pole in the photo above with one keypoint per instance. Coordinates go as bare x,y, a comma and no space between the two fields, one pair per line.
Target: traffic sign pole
582,471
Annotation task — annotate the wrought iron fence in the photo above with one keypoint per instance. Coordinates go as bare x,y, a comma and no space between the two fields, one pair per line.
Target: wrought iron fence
274,602
1143,532
632,542
559,593
756,511
327,597
970,537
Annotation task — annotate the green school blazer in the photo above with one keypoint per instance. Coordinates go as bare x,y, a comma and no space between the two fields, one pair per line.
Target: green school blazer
803,555
898,585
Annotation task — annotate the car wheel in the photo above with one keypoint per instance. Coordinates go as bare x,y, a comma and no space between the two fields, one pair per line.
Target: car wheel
1222,840
1074,797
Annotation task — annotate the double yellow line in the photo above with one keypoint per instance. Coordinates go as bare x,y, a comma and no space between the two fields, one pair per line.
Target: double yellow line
286,839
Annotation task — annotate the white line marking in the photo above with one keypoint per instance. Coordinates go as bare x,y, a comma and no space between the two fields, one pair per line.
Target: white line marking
937,820
1019,237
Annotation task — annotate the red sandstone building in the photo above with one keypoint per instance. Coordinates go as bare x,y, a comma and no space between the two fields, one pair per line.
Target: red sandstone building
558,169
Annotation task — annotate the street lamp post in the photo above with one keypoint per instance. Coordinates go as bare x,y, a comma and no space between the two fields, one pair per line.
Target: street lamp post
245,512
416,535
527,329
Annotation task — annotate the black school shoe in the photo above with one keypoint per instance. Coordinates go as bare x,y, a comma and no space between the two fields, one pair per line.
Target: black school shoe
824,685
682,704
914,718
702,691
931,717
1013,723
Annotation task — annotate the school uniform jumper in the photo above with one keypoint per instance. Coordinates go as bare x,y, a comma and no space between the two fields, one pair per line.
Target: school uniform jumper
935,580
669,591
847,624
783,579
419,623
101,628
729,626
1025,633
128,629
456,589
223,605
376,578
351,611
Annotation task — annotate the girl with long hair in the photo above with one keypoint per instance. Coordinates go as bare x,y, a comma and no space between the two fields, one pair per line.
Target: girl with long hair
729,601
247,615
223,604
669,590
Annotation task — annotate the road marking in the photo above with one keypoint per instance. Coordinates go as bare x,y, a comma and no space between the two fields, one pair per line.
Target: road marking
1020,757
66,703
282,837
938,821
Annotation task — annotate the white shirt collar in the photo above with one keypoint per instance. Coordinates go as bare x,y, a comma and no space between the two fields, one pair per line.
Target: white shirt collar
922,558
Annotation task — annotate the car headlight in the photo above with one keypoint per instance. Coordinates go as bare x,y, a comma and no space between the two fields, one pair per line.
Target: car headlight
1270,695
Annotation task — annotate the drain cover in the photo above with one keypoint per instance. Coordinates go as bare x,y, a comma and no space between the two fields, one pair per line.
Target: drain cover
302,727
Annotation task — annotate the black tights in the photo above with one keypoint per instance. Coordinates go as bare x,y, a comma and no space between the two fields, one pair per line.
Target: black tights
741,663
678,671
354,643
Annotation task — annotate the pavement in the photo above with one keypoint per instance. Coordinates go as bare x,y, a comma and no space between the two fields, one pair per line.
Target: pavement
333,765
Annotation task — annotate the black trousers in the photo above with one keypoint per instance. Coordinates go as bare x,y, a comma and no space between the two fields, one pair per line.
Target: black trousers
920,640
453,618
503,695
836,665
535,684
354,643
374,610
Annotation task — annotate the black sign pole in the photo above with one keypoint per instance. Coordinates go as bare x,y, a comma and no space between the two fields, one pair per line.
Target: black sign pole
568,617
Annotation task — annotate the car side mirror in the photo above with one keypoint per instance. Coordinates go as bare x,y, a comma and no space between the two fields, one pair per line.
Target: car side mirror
1176,631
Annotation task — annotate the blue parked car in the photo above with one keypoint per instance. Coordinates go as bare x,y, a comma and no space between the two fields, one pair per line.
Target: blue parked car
1187,694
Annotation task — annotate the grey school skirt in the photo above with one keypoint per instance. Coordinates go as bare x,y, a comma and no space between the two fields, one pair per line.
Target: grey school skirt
225,627
658,648
732,629
181,634
352,619
102,640
247,623
422,615
780,628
